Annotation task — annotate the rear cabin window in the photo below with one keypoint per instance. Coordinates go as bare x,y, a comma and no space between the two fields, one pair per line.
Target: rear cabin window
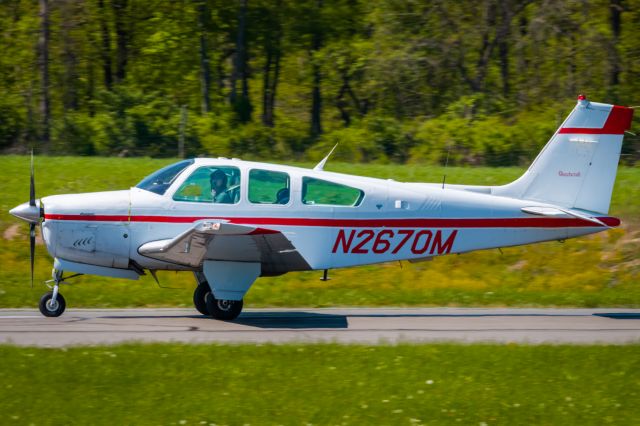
268,187
316,191
211,184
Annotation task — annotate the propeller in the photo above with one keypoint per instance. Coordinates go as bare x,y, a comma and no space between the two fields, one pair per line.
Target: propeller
31,212
32,225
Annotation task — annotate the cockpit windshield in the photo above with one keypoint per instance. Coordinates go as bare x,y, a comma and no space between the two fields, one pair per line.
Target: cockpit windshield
158,182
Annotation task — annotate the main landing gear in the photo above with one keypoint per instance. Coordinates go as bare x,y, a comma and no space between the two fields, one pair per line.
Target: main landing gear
226,310
207,304
200,297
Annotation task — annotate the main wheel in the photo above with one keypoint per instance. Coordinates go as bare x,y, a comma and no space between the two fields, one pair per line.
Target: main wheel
200,298
49,309
226,310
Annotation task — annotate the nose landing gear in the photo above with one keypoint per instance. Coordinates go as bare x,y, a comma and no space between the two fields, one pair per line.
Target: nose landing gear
52,304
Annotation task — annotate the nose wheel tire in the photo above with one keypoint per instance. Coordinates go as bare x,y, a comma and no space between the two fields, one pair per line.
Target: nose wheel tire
199,298
49,308
225,310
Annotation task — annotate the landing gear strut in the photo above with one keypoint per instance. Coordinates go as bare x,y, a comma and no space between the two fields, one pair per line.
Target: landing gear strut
52,304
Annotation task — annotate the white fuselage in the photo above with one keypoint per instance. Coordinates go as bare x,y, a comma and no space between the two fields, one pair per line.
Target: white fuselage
394,221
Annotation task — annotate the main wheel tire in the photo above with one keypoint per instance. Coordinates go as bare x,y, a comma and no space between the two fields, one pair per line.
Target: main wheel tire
200,298
49,309
225,310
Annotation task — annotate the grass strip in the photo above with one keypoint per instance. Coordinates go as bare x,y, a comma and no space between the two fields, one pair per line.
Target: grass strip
320,384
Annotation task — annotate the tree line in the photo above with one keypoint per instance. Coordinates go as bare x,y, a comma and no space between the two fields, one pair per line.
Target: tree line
480,82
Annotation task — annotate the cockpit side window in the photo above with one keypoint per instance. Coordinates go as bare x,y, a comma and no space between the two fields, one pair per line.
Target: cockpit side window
161,180
269,187
317,191
211,184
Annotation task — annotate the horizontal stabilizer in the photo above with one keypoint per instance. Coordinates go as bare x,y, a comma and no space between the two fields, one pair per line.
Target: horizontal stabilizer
558,212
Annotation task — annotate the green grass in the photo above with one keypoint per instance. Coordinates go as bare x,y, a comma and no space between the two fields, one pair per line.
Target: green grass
323,384
600,270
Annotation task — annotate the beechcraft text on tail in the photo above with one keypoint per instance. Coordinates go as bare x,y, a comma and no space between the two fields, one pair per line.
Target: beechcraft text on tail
230,221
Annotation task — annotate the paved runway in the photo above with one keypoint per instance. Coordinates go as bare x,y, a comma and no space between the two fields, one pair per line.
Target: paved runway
344,325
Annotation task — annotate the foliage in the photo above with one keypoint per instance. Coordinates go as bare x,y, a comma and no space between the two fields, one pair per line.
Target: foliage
392,81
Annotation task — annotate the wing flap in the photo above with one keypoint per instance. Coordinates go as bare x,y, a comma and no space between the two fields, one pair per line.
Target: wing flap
225,241
190,247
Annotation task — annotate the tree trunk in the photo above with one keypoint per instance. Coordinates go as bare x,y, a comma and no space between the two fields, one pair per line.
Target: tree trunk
241,104
91,88
316,103
501,32
274,84
105,50
341,104
69,57
43,56
205,68
616,9
503,50
271,75
267,116
122,38
316,94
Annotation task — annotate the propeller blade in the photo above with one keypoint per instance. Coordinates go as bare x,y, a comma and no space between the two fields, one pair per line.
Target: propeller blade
32,243
32,188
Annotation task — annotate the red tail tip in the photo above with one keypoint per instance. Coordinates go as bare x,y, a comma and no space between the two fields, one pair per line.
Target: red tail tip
582,97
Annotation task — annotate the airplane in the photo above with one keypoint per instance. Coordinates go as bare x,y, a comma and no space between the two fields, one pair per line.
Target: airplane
230,221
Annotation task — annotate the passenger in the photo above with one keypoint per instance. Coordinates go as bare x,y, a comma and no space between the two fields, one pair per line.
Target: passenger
219,187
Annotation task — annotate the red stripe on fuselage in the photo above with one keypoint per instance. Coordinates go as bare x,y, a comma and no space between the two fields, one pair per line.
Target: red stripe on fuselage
618,121
544,222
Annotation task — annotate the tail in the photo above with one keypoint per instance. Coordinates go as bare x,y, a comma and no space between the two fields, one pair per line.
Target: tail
577,167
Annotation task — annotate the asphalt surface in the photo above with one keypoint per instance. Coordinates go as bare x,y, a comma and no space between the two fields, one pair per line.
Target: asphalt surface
344,325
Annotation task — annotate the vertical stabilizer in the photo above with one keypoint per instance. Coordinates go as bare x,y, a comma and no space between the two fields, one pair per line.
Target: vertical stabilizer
577,167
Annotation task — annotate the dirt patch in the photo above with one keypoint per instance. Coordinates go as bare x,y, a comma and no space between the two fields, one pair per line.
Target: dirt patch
11,232
16,231
519,265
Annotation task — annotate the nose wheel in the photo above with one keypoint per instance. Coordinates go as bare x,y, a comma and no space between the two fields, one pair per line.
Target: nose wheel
51,306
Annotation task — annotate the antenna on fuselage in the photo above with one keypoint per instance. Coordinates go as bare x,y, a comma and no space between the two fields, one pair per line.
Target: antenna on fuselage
446,163
320,166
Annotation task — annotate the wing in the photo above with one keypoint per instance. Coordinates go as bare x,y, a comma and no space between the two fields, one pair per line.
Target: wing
209,240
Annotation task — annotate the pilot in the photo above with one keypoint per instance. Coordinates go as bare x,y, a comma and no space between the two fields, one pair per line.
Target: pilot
219,187
282,196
